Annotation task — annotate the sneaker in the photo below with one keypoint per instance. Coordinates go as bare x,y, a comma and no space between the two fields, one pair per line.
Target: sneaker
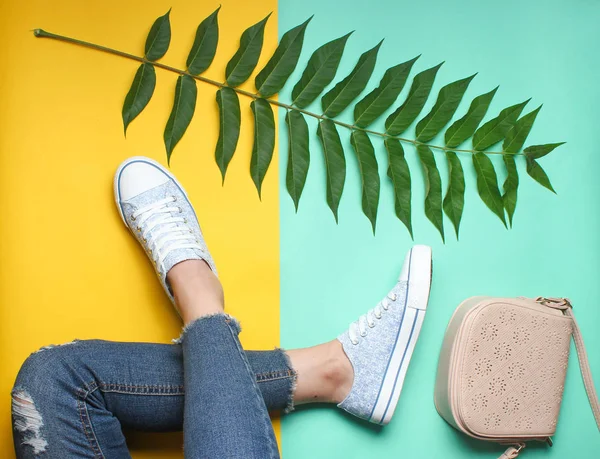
156,209
380,344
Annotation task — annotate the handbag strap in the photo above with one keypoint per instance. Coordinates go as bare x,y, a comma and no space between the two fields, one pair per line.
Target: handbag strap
584,365
564,304
566,307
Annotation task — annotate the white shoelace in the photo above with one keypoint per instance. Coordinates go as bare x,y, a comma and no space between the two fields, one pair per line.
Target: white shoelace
366,321
166,230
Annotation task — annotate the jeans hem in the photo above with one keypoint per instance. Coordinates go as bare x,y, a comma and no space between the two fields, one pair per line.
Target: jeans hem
227,317
293,383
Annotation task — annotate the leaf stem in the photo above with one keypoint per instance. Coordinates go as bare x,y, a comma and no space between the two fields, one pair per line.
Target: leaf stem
40,33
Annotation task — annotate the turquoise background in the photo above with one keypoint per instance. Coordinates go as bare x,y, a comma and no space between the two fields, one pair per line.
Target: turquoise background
330,274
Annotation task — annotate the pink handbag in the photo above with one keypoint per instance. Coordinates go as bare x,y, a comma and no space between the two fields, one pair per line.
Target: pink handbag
502,369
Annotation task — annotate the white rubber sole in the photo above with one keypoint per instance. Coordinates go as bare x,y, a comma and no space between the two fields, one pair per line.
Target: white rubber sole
417,273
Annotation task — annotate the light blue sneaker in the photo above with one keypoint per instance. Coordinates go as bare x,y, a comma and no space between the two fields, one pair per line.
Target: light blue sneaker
156,209
380,344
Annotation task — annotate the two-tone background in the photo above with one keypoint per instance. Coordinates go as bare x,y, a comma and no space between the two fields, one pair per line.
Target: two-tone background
69,269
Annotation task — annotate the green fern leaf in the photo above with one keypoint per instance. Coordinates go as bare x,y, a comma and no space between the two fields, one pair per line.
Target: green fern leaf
181,114
399,173
539,151
298,155
244,61
335,163
537,173
511,185
229,127
205,45
338,98
419,91
367,164
443,110
319,72
465,127
273,77
496,129
433,188
515,138
454,202
159,38
382,97
264,141
487,185
139,94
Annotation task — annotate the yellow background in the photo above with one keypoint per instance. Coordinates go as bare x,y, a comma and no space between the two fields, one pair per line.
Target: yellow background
69,268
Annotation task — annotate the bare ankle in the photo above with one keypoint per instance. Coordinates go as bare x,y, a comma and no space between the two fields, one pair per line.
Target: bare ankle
339,372
196,289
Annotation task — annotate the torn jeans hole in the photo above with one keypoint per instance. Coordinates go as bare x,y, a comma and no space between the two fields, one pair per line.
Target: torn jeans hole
28,421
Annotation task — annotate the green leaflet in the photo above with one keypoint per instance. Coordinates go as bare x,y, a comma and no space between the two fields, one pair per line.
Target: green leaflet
229,127
298,154
433,188
403,117
338,98
159,38
271,79
320,70
443,110
464,128
205,45
264,141
139,94
487,185
511,184
381,98
495,129
244,61
454,202
181,114
399,173
335,163
536,172
539,151
515,138
369,176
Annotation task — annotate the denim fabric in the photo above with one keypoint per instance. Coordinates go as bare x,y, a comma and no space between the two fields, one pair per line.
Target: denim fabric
225,415
72,401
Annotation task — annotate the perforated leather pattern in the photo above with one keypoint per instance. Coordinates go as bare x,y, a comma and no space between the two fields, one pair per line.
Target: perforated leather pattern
513,371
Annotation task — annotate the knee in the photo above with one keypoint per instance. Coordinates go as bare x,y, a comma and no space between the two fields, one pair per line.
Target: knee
34,388
43,369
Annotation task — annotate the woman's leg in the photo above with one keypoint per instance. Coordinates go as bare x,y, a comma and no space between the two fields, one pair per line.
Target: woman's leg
73,400
225,414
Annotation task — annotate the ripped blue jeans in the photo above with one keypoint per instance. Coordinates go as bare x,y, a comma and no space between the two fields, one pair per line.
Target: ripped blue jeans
72,401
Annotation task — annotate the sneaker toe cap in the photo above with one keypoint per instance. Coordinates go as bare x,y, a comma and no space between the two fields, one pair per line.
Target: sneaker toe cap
137,176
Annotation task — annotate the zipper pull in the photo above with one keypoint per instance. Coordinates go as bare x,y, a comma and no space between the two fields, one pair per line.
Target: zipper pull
512,451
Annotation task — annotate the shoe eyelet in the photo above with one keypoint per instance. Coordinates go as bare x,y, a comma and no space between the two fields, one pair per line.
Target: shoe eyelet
180,210
363,335
139,229
133,218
